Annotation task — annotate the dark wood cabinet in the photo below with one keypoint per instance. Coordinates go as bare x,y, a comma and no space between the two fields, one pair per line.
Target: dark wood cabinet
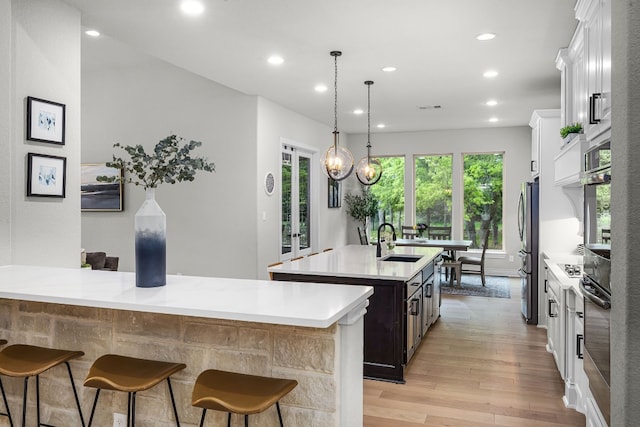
385,330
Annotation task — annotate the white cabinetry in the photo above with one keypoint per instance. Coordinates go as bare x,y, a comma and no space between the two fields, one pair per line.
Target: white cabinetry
568,163
596,18
555,321
576,382
535,148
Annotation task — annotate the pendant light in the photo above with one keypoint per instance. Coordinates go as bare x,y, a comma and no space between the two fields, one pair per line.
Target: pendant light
369,170
337,162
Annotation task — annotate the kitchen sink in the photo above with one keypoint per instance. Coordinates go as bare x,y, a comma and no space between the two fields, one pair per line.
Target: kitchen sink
401,258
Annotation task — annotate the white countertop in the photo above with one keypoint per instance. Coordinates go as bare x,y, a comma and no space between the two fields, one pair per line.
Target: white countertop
360,261
555,264
297,304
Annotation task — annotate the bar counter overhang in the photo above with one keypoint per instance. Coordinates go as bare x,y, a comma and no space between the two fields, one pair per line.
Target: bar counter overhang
307,331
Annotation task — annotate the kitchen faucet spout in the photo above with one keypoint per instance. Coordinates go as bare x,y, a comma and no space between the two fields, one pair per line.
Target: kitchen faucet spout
378,246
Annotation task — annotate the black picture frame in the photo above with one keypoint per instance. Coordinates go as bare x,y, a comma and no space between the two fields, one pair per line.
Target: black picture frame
101,196
46,121
335,193
46,175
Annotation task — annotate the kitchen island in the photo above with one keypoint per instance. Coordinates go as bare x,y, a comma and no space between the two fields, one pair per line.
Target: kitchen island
312,333
405,303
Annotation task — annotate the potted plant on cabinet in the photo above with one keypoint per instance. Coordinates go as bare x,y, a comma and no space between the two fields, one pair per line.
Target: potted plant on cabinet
569,132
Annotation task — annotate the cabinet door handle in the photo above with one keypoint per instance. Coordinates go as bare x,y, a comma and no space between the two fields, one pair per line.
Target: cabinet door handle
579,341
592,108
533,166
580,314
546,282
428,291
550,313
414,309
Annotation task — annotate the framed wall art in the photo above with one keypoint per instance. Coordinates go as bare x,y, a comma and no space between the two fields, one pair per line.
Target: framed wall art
100,196
46,175
45,121
335,196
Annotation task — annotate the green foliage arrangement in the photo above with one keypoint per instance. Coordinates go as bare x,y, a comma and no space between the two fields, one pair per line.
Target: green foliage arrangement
575,128
170,162
361,206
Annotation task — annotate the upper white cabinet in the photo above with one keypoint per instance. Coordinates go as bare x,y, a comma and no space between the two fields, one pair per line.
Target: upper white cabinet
592,92
535,146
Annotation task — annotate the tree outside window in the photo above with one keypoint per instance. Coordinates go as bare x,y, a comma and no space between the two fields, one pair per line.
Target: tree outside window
433,191
389,192
483,184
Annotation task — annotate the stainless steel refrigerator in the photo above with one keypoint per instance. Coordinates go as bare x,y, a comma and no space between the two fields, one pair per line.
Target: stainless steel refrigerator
528,205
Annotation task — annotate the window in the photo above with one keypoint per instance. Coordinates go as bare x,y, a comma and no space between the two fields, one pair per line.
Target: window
389,192
433,190
483,175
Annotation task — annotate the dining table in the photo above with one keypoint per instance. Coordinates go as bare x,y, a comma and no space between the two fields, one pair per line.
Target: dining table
449,245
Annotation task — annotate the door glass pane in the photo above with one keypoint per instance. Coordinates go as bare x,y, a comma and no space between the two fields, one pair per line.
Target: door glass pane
389,192
483,174
433,190
286,203
304,164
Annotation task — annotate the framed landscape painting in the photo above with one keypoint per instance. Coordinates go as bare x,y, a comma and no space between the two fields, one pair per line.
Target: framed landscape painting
100,196
45,121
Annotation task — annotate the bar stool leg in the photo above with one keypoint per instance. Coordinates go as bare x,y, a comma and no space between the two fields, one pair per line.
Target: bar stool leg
75,394
279,414
6,405
24,402
229,420
93,408
246,421
204,412
173,402
38,400
133,409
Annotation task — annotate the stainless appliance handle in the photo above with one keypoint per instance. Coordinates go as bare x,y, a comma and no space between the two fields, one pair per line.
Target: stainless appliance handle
594,298
520,215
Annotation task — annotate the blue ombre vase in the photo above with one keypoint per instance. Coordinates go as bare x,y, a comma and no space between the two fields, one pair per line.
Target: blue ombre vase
151,243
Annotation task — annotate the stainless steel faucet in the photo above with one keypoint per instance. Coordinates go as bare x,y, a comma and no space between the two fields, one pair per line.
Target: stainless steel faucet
378,246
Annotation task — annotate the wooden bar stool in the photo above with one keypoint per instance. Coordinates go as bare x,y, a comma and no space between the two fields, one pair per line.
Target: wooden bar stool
4,396
24,361
238,393
131,375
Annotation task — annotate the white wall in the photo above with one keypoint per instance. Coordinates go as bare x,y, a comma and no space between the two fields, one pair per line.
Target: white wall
515,142
275,123
40,46
211,226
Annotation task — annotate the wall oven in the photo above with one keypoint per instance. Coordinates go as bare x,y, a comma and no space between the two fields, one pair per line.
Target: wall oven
596,290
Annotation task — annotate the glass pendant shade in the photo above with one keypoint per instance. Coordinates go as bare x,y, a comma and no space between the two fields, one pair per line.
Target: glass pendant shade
337,162
368,170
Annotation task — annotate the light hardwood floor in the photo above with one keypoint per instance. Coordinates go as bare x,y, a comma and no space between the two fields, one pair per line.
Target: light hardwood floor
480,365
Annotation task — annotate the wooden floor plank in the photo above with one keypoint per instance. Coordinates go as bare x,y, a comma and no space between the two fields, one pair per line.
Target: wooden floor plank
481,365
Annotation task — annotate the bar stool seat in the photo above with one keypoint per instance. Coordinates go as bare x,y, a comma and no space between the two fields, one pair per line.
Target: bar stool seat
238,393
24,361
131,375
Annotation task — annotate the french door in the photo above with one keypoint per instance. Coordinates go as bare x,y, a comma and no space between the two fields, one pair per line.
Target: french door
297,227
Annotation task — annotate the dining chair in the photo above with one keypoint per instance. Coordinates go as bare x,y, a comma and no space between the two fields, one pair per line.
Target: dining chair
476,262
439,233
409,232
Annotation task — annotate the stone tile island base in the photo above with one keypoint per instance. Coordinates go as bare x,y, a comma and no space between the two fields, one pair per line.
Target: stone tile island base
326,365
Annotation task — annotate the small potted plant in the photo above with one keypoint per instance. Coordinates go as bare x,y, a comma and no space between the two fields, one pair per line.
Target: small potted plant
569,132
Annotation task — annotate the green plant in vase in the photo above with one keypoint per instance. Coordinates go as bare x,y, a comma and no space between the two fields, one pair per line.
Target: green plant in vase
361,206
170,162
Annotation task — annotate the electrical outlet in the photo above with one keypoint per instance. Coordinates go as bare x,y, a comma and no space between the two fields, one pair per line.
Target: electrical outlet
119,420
510,258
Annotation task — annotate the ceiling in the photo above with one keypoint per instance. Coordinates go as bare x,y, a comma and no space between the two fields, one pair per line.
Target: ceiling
431,42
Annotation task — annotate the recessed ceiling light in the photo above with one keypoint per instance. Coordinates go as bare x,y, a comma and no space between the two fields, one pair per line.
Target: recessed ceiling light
493,119
381,125
485,36
358,111
92,33
321,88
389,69
491,103
275,60
192,7
490,74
